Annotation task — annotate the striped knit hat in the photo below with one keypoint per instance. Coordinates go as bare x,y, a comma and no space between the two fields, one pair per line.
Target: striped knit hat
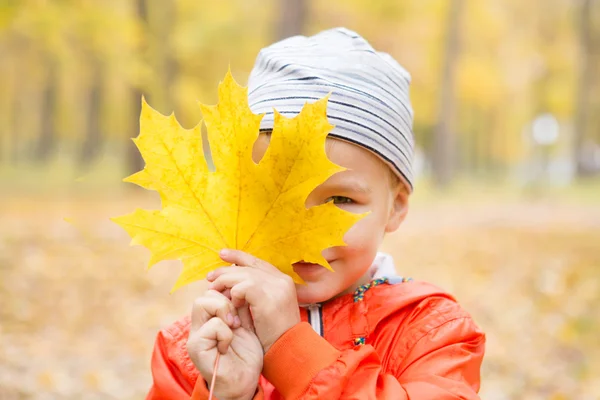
369,103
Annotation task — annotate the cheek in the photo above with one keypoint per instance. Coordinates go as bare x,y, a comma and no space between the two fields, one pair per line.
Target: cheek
260,148
366,234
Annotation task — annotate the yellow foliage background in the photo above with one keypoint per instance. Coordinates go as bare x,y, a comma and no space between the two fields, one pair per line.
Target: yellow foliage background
78,312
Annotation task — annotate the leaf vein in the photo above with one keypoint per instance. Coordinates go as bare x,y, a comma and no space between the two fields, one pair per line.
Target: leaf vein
191,190
170,235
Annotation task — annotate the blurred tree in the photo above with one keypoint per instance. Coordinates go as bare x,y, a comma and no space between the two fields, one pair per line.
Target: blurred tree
292,18
92,141
444,149
516,59
46,141
8,10
161,17
18,119
157,19
584,87
135,162
595,66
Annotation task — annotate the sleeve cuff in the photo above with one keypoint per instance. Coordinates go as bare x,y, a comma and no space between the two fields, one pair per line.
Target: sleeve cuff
296,358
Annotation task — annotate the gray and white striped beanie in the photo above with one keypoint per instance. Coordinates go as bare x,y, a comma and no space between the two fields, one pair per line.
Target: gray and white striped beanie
369,103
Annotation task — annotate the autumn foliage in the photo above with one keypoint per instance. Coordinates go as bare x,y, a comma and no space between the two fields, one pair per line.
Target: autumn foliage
256,207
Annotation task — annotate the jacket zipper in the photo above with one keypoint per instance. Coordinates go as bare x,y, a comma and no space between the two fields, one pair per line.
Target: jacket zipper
315,318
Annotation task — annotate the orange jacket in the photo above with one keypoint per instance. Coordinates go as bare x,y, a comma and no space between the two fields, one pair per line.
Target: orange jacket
408,340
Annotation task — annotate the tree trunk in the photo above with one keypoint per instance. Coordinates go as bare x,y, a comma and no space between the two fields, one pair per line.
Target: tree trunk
135,162
444,142
93,137
158,17
292,18
583,87
47,139
18,109
166,62
18,113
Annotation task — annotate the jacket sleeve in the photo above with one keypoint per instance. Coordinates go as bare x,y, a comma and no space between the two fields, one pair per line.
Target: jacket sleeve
439,361
168,376
174,376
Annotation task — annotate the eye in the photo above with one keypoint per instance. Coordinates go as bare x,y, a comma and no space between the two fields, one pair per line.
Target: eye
340,200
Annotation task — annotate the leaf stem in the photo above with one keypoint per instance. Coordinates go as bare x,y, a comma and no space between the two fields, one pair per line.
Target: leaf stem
214,377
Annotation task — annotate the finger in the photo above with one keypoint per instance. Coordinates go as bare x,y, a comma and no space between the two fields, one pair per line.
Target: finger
231,277
226,293
239,293
246,320
224,270
212,275
213,333
231,318
210,305
239,257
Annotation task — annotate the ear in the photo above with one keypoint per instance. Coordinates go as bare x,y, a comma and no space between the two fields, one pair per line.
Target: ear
398,210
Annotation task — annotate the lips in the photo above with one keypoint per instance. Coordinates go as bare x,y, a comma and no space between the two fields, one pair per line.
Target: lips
308,271
305,265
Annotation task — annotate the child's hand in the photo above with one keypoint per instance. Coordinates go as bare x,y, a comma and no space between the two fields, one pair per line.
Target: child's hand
270,293
218,327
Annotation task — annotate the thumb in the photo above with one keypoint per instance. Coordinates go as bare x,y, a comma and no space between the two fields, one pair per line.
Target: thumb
216,333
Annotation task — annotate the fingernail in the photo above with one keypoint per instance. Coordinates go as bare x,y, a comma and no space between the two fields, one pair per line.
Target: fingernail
230,319
224,252
210,275
237,321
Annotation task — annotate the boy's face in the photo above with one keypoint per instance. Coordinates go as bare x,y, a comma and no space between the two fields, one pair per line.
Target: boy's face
366,186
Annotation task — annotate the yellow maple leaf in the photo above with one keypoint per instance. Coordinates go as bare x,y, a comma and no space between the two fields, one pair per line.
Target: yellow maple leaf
259,208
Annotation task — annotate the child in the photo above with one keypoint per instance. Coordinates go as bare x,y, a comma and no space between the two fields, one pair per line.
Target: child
361,332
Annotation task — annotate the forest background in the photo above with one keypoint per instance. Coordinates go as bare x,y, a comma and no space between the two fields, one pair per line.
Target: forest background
506,214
